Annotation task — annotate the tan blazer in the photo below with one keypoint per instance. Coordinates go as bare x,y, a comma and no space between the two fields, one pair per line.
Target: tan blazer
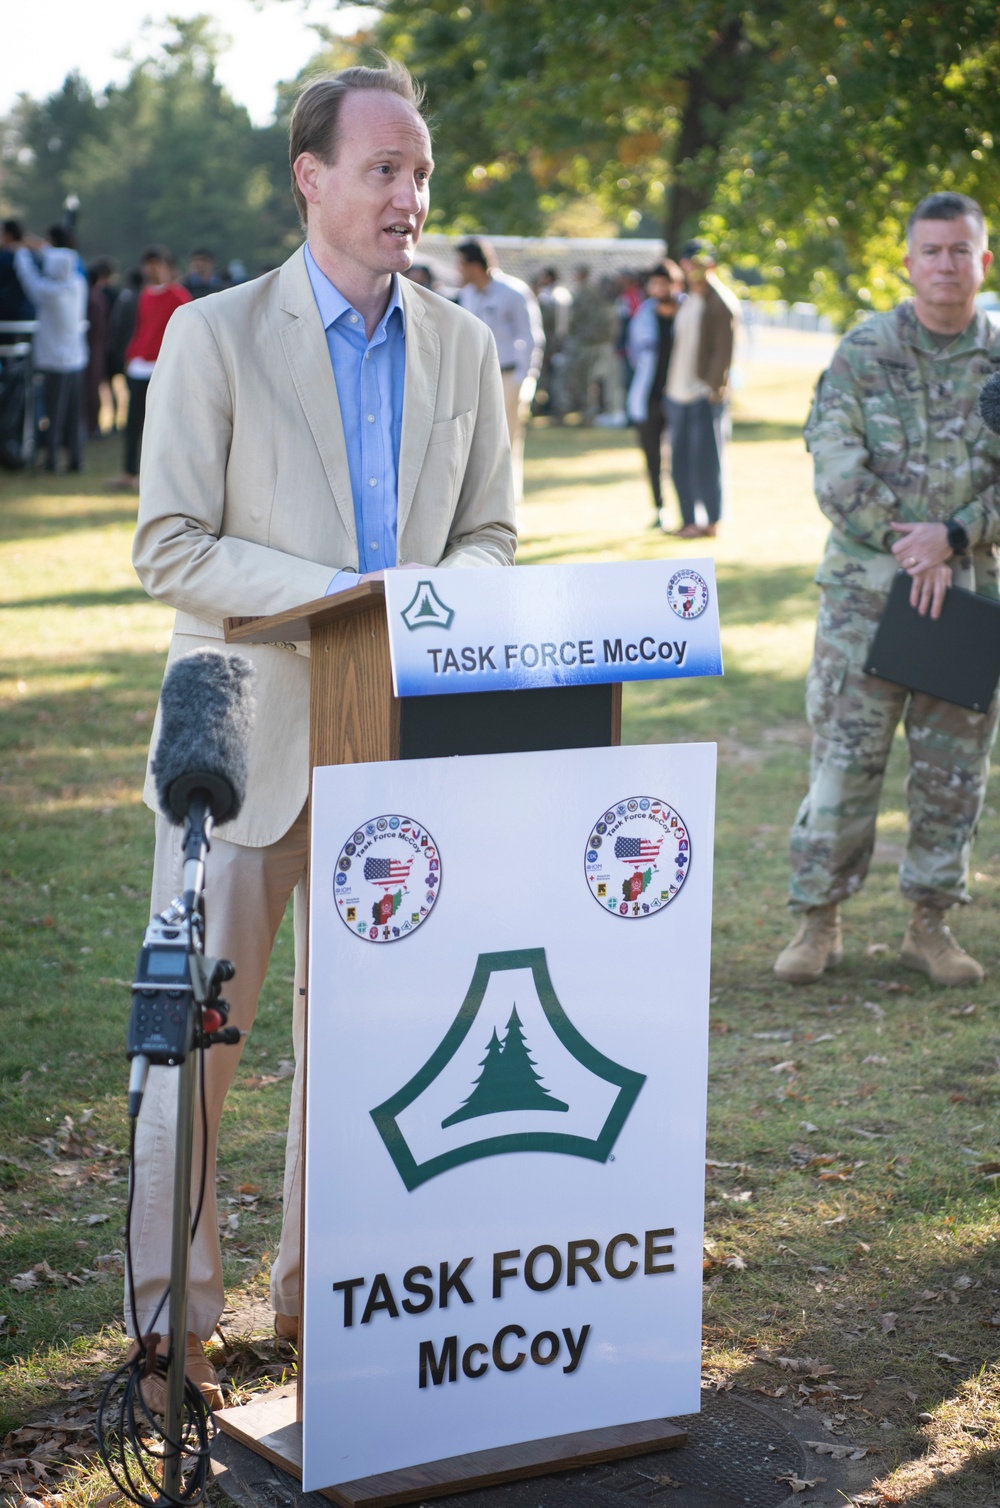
245,496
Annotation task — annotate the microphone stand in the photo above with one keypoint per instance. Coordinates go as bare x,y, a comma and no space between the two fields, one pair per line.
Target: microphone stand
206,1027
197,831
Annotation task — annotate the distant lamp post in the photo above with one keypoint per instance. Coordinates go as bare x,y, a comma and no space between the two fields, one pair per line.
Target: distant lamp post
71,208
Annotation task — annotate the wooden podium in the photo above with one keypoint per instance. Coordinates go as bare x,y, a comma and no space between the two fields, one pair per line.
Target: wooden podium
356,718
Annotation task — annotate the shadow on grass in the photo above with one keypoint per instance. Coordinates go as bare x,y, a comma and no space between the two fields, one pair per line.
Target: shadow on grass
765,596
23,523
765,429
123,597
550,481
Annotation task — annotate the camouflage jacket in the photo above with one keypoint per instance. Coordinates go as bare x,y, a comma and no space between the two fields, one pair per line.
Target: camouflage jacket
895,435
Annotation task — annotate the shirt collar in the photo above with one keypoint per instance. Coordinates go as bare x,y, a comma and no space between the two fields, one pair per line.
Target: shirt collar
976,335
332,303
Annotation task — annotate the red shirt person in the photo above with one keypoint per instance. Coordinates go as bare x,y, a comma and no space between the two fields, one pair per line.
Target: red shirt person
161,295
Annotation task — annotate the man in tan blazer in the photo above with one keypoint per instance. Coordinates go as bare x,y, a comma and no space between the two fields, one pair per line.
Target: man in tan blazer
303,431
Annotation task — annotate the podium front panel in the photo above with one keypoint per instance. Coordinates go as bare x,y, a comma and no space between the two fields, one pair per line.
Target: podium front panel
508,1031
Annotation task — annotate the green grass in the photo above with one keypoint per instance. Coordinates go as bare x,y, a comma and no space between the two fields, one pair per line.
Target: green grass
890,1085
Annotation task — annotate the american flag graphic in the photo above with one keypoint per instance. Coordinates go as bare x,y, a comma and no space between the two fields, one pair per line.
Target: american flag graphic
387,871
640,849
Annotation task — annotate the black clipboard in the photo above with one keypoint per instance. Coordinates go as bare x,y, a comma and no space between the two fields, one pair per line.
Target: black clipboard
955,657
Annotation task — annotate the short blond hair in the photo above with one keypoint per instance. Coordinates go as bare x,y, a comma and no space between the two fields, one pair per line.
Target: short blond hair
316,116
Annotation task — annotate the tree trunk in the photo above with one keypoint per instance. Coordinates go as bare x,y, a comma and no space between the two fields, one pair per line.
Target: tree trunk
714,91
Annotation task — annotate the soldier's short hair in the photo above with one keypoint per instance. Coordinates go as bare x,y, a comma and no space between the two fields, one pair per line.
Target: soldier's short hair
316,117
948,206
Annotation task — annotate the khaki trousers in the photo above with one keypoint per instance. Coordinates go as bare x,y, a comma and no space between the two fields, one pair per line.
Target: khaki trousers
516,407
246,892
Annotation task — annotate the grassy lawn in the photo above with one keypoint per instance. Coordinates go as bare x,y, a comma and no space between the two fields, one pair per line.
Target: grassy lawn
853,1134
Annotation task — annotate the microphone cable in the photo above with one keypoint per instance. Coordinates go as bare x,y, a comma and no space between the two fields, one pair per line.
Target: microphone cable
132,1440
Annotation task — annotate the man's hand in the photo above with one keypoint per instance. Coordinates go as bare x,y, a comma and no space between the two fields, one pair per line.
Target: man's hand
928,589
920,547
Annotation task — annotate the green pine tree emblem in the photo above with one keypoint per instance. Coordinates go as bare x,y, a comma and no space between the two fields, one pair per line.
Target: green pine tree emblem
426,610
508,1080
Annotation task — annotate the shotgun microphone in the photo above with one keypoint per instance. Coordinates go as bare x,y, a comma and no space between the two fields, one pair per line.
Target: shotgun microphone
200,773
989,403
206,712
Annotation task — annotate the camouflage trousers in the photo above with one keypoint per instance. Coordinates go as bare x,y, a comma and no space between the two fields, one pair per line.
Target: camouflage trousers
854,717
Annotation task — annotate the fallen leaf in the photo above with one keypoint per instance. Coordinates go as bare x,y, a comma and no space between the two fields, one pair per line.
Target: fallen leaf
874,948
963,1010
955,1360
248,1188
837,1220
97,1219
962,1282
874,1058
888,1323
838,1452
807,1127
22,1281
738,1264
799,1484
806,1365
876,1010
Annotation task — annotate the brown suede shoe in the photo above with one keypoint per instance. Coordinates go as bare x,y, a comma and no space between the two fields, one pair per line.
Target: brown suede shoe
199,1370
286,1330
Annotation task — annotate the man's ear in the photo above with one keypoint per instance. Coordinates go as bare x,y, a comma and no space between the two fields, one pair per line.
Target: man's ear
306,169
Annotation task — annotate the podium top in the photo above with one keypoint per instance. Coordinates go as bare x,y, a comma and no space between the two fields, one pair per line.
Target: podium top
298,622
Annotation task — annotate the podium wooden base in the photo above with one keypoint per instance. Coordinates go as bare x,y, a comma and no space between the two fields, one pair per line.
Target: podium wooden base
270,1428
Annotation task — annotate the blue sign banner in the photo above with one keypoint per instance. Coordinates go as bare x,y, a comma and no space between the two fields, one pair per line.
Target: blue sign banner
455,631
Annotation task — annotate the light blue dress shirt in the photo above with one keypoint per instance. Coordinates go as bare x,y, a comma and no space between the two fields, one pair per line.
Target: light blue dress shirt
369,375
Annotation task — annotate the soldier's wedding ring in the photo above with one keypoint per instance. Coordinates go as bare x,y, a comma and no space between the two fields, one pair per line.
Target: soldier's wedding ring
912,560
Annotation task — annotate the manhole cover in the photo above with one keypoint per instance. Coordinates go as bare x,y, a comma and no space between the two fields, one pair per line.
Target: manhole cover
733,1455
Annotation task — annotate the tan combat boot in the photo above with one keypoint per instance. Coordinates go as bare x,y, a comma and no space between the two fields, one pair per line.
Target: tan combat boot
816,947
930,948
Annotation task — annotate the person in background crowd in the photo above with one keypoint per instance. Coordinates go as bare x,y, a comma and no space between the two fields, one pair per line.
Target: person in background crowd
630,297
697,384
509,308
648,344
161,295
98,323
554,304
14,302
59,294
422,275
606,372
587,334
202,277
120,329
908,476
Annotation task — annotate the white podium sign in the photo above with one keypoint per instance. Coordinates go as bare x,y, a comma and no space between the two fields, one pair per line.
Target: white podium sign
456,631
508,1025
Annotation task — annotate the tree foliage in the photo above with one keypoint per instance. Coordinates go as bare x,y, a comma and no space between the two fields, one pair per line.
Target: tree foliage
797,134
167,157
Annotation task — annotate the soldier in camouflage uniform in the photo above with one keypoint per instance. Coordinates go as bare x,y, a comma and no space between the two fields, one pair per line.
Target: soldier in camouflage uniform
910,478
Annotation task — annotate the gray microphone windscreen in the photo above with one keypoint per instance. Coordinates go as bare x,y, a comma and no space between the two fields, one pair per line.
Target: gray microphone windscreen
206,712
989,403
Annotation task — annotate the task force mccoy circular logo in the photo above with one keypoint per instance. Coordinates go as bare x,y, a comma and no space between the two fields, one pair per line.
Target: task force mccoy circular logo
637,857
687,594
387,878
